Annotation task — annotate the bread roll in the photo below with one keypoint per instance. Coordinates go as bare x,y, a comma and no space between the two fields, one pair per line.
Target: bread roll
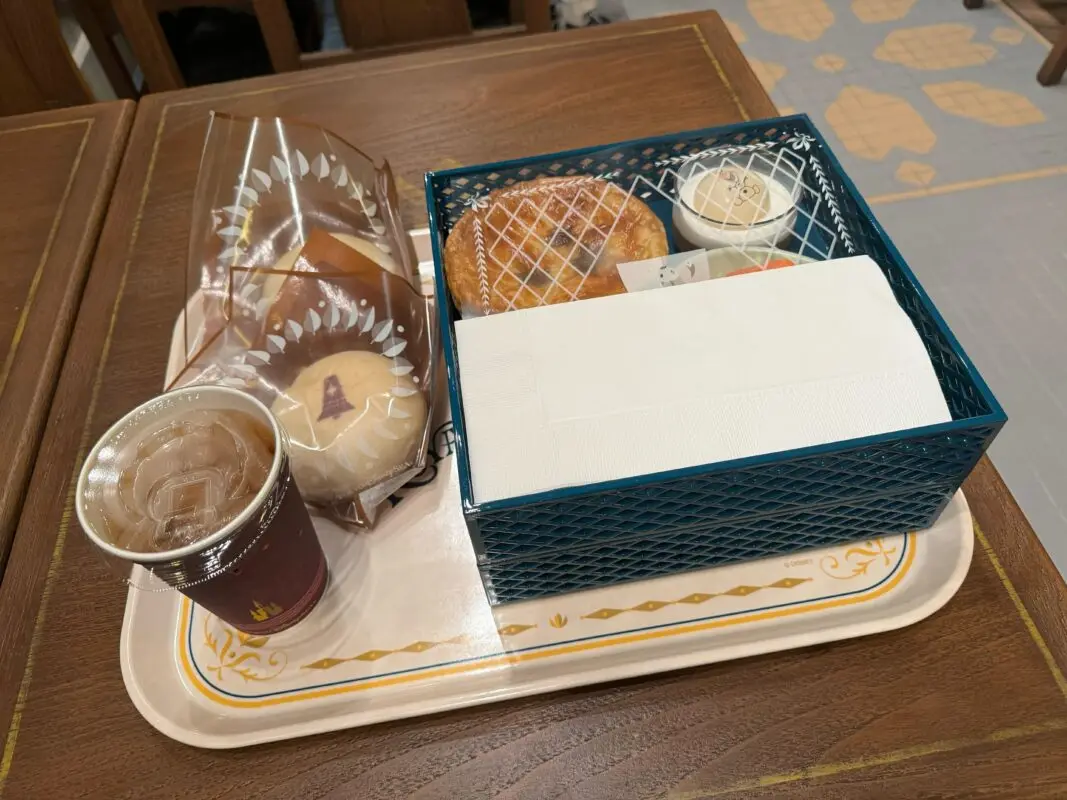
352,423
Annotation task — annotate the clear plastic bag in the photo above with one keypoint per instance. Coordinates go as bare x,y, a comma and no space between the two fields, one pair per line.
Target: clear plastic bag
302,292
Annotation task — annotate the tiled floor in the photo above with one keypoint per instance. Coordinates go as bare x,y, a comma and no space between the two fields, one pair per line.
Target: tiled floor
936,114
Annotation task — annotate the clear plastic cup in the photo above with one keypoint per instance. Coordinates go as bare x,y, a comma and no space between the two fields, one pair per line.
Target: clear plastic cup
194,489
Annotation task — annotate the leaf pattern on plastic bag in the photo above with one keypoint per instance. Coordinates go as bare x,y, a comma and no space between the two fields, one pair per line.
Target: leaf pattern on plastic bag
261,180
368,321
236,212
279,169
246,194
401,366
320,167
302,166
381,331
332,316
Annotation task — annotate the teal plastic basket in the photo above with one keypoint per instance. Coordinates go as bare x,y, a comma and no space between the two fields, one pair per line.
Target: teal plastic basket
659,524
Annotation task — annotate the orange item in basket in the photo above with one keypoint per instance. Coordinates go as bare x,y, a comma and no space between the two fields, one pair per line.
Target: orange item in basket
777,263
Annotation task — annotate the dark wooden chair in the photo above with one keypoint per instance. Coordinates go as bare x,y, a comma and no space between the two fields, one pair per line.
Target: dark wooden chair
371,28
36,68
97,20
1055,64
381,25
139,20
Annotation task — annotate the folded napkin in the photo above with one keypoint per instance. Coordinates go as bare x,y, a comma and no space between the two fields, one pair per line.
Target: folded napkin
633,384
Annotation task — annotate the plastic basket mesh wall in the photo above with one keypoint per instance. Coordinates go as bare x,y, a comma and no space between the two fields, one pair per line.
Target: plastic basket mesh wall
684,503
558,571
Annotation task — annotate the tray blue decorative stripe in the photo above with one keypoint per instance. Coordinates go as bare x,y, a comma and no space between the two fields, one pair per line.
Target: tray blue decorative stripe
637,528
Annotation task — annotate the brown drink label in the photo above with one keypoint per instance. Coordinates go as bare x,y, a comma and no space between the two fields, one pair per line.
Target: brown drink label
280,576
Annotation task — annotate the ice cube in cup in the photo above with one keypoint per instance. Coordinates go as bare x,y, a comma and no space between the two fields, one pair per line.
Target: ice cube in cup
195,487
184,478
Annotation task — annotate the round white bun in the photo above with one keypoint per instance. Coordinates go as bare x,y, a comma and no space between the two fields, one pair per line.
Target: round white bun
352,423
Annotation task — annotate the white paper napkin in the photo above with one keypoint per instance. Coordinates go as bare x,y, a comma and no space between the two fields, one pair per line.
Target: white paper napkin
632,384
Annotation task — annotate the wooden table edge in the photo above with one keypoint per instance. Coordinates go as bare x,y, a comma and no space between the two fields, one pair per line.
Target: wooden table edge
1006,538
111,121
706,25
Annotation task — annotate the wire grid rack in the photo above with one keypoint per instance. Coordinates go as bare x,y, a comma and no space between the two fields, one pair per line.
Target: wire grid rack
637,528
729,497
706,545
540,241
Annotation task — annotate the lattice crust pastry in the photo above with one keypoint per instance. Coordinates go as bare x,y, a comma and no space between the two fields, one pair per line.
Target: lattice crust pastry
550,240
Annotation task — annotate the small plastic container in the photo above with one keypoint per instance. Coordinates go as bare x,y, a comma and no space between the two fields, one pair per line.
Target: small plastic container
729,201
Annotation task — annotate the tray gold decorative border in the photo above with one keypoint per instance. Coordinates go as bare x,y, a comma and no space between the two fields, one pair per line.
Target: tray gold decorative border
200,683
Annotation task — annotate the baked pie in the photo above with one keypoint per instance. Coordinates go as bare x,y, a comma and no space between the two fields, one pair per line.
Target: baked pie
550,240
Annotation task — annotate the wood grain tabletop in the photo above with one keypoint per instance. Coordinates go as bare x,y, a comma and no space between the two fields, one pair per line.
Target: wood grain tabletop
57,169
972,701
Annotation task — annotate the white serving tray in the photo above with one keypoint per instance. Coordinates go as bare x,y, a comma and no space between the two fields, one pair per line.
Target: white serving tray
404,628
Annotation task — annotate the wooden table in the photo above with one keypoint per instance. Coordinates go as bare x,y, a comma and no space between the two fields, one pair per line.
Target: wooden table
972,697
57,169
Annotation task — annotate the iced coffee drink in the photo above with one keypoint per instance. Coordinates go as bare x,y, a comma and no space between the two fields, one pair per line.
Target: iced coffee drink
181,480
195,487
